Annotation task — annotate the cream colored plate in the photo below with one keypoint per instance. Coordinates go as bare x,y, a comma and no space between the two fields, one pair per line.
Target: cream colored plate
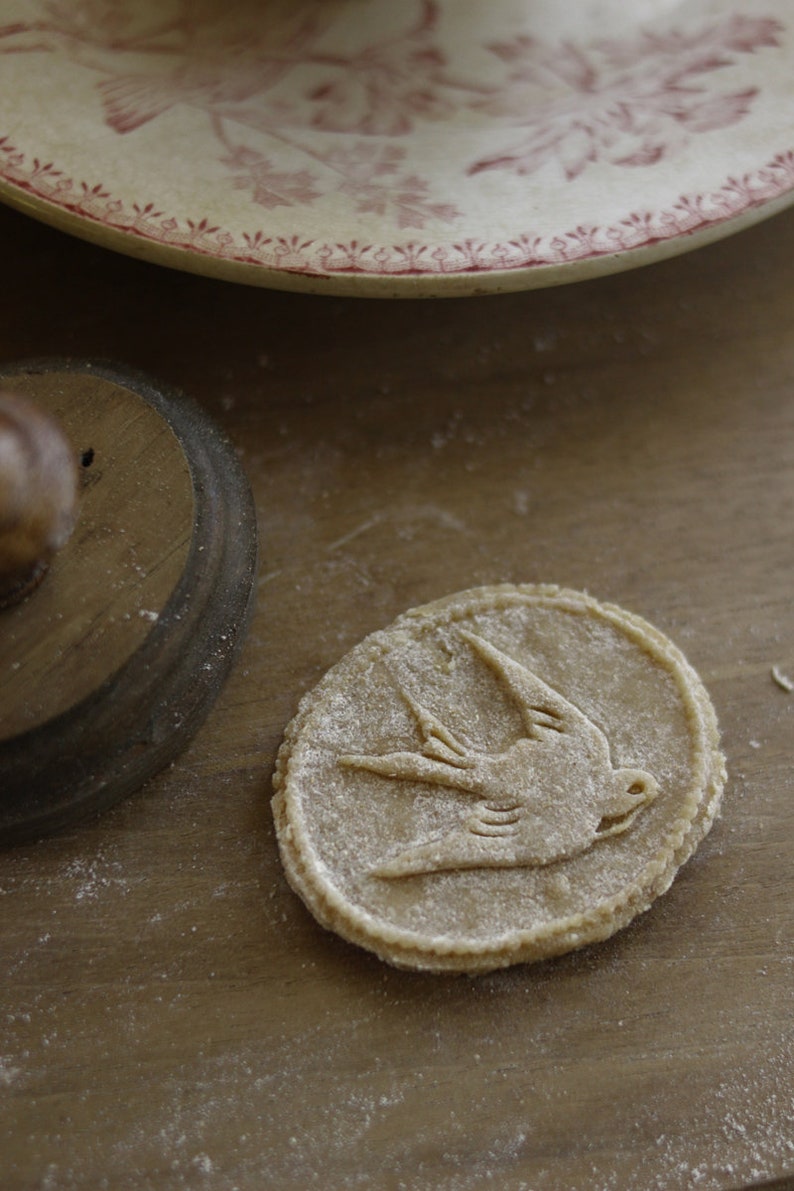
500,776
433,147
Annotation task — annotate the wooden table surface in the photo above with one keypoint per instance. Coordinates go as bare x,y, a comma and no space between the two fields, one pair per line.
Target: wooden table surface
170,1015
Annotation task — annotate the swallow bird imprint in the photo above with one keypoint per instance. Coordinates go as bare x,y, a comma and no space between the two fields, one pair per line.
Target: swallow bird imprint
550,795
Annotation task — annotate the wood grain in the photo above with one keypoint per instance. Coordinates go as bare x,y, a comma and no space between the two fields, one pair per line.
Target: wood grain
170,1016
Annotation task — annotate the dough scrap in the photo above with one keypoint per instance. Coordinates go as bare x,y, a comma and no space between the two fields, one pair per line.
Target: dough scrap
500,776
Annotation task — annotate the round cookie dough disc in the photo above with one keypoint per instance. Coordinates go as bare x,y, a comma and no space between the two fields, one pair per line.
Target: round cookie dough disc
500,776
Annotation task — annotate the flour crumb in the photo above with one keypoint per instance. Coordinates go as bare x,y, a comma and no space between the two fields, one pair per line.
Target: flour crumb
8,1073
520,502
782,680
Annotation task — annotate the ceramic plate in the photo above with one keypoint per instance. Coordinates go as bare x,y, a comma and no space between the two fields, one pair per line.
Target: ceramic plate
429,147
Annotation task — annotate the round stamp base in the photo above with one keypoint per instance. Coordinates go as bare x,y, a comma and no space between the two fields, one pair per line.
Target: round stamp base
110,665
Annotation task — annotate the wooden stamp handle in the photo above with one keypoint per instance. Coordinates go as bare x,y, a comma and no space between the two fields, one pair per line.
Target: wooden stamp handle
38,494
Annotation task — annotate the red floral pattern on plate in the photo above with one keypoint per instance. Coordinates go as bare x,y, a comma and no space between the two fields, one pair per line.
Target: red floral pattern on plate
300,116
631,102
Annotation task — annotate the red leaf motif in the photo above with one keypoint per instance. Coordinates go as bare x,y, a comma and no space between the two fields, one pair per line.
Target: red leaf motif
369,175
147,212
718,112
202,228
629,102
257,240
575,150
647,154
747,34
384,89
96,191
270,187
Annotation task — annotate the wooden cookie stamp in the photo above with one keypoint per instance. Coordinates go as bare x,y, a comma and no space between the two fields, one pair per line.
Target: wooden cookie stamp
145,527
